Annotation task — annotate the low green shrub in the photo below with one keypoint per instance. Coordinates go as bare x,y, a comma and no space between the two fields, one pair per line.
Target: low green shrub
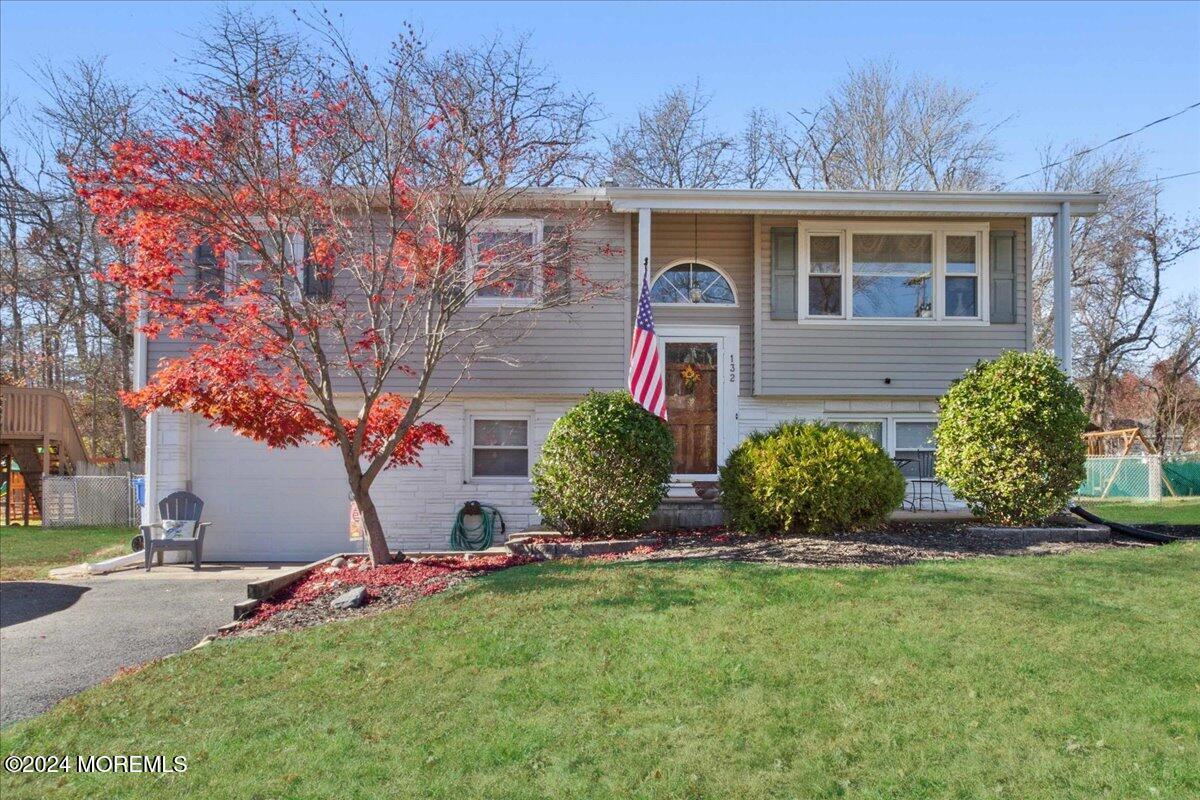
604,467
1009,438
809,478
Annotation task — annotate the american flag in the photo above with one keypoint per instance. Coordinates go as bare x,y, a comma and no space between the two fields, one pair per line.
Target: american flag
645,368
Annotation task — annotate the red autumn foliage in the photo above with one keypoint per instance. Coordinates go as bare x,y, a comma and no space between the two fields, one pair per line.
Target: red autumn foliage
315,231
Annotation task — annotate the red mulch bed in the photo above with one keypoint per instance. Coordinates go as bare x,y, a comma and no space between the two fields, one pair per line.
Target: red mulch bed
306,602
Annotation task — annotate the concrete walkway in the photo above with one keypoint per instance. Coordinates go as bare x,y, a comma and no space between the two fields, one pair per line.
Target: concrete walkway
58,638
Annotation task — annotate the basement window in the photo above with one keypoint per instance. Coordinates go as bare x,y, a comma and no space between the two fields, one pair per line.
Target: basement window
499,447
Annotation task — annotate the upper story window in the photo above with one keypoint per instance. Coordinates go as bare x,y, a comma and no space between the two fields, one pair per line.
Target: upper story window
244,259
504,262
893,275
877,271
692,284
962,276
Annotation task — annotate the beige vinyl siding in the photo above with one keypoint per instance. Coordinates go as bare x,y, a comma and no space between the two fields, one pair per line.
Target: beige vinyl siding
847,359
570,351
720,239
557,352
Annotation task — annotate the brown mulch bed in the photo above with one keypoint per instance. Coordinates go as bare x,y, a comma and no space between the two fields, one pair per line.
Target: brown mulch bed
896,544
307,602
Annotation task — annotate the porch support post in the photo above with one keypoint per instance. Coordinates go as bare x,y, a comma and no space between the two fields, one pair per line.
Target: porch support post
1062,286
643,265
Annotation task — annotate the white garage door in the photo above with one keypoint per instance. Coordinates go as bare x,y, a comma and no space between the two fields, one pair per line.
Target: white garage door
269,505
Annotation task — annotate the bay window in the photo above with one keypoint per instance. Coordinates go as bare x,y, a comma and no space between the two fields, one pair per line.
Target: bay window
893,275
891,272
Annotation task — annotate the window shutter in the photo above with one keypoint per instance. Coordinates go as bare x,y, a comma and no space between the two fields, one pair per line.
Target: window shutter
783,273
210,276
315,287
556,273
1004,277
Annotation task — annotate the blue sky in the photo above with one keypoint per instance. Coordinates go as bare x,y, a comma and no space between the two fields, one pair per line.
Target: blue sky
1079,72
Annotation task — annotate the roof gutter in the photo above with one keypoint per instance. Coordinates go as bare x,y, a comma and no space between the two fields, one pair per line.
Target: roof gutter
625,200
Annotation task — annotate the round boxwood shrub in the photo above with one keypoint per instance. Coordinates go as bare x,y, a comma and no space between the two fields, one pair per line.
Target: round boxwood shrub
809,478
1009,438
604,467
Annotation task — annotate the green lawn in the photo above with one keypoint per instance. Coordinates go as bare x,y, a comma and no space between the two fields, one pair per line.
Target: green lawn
1056,677
1182,511
29,553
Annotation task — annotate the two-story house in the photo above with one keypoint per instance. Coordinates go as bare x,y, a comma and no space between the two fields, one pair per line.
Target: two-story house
853,307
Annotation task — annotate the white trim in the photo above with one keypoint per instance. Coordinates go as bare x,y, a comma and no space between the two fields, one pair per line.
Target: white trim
729,370
889,420
1029,328
760,201
532,225
679,262
141,344
630,270
1062,286
757,303
847,229
482,414
150,509
645,246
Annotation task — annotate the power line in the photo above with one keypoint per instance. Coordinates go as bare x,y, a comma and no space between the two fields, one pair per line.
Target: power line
1164,178
1087,150
1171,177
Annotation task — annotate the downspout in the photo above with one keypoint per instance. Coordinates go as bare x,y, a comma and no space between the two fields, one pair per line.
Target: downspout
140,376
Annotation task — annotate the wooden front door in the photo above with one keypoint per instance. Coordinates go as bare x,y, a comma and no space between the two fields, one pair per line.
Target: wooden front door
692,405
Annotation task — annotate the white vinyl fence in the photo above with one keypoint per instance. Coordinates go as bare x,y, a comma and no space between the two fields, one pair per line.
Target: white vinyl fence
87,500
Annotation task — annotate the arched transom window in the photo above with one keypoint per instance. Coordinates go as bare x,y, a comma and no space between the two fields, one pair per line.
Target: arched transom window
692,284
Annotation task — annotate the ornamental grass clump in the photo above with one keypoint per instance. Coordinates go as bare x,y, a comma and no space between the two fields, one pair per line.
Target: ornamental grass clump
1010,438
604,467
809,478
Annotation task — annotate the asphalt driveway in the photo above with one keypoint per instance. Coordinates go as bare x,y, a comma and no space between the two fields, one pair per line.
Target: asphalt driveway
58,638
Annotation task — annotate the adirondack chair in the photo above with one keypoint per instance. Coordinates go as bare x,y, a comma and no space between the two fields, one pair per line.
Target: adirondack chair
177,506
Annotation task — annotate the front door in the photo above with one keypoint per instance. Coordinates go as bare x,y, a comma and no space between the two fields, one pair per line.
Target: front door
701,366
692,378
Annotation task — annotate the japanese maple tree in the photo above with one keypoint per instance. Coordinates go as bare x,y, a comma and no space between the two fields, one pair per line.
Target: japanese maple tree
309,225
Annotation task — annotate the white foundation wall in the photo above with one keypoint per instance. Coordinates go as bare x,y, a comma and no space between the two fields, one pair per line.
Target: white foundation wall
293,505
418,504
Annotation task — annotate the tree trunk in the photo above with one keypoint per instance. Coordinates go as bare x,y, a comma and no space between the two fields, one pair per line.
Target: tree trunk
360,492
372,526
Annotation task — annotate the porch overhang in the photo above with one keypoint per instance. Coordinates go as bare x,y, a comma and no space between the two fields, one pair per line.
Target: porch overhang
864,203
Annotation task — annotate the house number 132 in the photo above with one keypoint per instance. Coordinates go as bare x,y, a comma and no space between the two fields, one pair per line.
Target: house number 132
732,371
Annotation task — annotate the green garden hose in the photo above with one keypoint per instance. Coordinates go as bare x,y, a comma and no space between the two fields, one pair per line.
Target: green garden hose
476,537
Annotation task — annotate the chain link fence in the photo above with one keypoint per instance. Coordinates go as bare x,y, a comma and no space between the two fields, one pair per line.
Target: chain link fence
1142,477
88,500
